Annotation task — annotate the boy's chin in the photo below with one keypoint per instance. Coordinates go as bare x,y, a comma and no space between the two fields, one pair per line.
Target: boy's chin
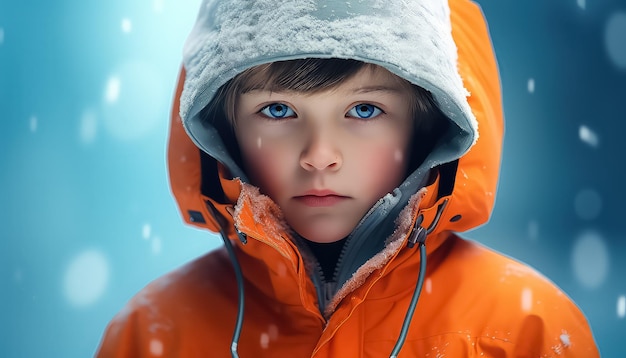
322,236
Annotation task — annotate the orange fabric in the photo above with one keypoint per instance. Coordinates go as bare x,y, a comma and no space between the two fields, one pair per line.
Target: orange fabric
475,302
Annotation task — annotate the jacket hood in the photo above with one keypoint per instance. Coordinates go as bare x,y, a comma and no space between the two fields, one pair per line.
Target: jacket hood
454,59
409,38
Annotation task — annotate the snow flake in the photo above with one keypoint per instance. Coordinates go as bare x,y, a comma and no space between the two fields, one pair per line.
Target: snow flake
134,99
112,91
428,285
581,4
127,25
86,278
533,230
88,127
33,124
527,299
156,245
514,270
265,340
398,156
156,347
621,306
590,248
588,136
18,276
564,342
145,231
614,39
1,35
531,85
565,339
273,332
157,6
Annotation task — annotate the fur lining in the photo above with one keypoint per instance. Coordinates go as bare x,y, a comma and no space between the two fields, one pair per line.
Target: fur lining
269,220
393,245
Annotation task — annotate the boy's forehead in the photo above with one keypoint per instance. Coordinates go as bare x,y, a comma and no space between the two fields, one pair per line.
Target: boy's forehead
376,78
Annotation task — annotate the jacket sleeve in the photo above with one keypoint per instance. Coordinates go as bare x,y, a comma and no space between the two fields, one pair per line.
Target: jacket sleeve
122,339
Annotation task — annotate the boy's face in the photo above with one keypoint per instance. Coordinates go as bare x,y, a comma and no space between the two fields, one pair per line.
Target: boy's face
325,158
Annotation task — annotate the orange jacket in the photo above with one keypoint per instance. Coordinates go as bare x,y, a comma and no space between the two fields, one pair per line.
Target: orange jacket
475,302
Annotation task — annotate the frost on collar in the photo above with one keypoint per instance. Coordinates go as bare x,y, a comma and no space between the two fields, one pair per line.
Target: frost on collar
409,38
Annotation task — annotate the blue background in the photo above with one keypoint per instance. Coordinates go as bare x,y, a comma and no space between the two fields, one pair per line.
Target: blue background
86,215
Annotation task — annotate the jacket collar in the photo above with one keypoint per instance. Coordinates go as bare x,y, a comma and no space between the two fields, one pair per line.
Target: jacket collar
270,247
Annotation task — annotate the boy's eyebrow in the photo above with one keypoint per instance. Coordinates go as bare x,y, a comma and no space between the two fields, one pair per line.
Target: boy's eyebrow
380,88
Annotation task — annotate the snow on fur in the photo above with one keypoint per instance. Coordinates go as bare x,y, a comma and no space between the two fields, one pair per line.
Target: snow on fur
393,245
269,218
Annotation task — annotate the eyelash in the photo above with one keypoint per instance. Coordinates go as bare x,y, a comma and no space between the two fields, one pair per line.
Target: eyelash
290,113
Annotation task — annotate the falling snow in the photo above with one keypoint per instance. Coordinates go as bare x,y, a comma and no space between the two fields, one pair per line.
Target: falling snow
127,25
145,231
614,39
156,347
515,270
621,306
112,91
565,339
129,93
135,101
397,155
157,6
86,278
590,248
156,245
533,230
88,127
527,300
588,136
18,276
531,85
265,340
273,332
33,124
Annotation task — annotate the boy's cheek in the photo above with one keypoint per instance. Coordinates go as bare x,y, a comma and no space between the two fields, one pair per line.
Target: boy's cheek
265,163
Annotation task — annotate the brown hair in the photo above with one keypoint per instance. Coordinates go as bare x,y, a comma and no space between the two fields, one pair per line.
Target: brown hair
317,75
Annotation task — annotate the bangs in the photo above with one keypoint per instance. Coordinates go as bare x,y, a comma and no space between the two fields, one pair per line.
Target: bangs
306,75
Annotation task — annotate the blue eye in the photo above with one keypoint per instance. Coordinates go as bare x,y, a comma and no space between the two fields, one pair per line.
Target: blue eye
364,111
278,111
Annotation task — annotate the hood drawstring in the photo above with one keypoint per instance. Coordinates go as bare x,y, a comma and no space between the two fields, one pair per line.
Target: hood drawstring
238,275
417,236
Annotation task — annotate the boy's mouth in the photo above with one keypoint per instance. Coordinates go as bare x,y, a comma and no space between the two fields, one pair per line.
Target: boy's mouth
320,198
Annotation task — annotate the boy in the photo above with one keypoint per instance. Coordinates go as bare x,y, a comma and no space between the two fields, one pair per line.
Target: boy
333,146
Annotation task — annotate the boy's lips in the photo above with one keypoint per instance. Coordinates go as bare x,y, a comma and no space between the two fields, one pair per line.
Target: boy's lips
320,198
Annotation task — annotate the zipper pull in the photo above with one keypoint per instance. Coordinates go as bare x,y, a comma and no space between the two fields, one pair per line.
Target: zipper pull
418,234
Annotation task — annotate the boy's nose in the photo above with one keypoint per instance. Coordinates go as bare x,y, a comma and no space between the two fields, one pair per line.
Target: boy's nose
321,154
